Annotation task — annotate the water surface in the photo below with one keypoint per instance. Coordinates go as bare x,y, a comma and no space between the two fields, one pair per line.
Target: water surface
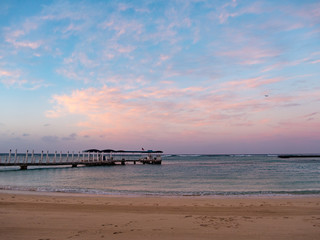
204,175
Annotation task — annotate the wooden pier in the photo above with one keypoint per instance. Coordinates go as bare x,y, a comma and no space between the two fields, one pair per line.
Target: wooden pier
91,157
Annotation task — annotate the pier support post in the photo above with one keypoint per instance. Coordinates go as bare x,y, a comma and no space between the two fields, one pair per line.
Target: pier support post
41,158
26,159
10,155
15,156
23,167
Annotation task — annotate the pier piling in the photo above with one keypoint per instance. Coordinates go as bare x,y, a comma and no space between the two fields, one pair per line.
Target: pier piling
41,157
26,159
23,167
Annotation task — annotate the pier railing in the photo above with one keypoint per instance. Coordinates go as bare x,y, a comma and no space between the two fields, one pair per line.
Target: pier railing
43,157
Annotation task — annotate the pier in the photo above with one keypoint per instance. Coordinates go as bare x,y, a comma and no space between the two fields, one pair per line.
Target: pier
91,157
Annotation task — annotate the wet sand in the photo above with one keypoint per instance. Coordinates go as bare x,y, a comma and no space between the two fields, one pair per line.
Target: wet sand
61,216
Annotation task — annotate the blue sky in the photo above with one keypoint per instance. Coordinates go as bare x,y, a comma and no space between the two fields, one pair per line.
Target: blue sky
181,76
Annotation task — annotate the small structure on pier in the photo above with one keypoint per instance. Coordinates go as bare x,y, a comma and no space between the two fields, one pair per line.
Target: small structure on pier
90,157
110,155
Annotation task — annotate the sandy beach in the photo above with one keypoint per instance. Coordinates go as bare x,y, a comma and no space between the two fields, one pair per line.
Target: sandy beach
61,216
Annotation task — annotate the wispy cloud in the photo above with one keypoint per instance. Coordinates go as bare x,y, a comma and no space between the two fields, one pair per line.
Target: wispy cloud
15,78
115,111
233,10
50,139
11,78
122,26
253,82
71,137
164,68
250,55
16,37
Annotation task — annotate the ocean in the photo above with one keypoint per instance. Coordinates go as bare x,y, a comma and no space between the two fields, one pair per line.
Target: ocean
178,175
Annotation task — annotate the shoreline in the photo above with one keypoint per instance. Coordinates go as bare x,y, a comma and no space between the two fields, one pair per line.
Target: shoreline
35,215
137,195
161,195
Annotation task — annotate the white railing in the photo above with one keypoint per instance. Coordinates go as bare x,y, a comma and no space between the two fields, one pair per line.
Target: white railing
39,158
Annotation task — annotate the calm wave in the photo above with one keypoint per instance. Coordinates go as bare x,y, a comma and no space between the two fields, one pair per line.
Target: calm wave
203,175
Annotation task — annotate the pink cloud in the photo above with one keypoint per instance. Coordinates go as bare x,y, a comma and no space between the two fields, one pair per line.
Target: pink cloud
281,25
162,59
13,81
13,39
122,26
18,79
28,44
124,49
312,116
117,115
250,55
10,78
253,82
310,12
112,109
225,14
5,73
312,59
16,37
298,128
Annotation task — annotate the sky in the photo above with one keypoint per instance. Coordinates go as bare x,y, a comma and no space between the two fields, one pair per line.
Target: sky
181,76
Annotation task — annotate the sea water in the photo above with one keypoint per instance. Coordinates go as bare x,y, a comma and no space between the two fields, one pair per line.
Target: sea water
179,175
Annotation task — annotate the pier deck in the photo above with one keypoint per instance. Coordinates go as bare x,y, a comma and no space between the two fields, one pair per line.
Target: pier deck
89,158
